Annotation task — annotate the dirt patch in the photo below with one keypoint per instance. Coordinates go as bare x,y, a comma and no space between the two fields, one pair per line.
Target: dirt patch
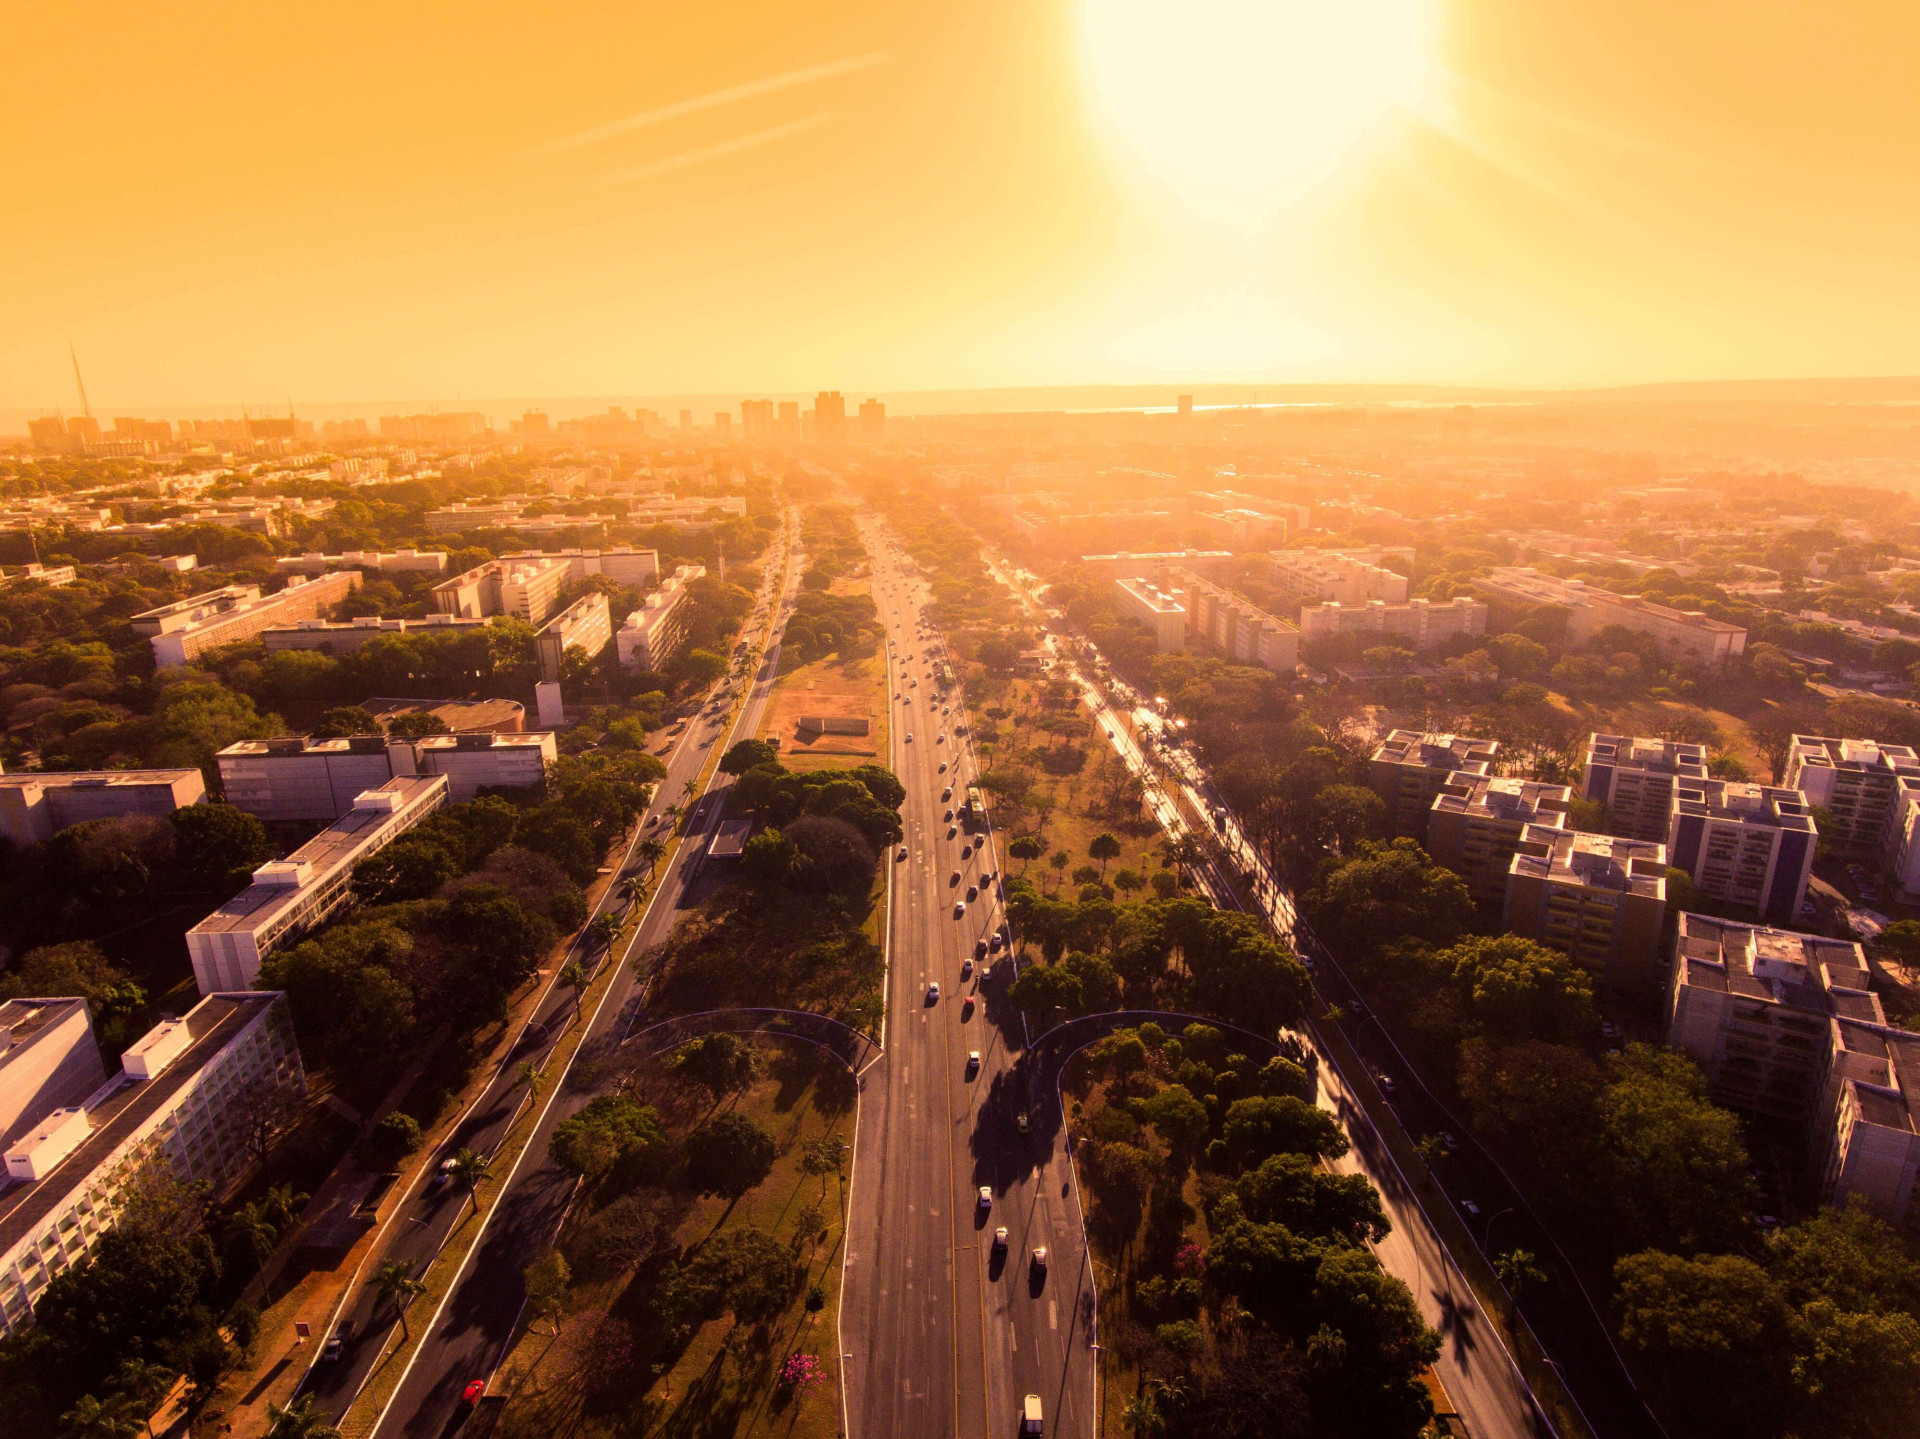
833,688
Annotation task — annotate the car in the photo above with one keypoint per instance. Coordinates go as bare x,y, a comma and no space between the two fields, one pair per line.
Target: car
959,908
946,709
994,942
940,739
947,793
973,1061
966,1008
473,1393
966,849
1020,1122
1040,1258
933,992
1448,1142
909,739
966,969
979,949
1000,1240
1470,1209
1385,1081
953,878
986,1196
337,1341
443,1176
903,853
973,892
947,817
1031,1422
943,763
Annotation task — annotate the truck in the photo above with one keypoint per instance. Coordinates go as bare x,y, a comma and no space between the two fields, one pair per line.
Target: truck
1030,1418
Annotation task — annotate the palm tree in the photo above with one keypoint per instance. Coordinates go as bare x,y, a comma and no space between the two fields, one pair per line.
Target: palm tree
109,1418
575,977
250,1228
687,790
470,1168
395,1284
603,929
144,1384
532,1076
651,852
301,1419
1142,1415
283,1206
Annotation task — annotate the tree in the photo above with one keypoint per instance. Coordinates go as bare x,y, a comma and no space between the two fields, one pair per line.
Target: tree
1389,892
1105,848
1538,1098
1717,1327
728,1155
470,1168
610,1130
395,1137
746,1271
822,1156
1515,990
1259,1126
1026,848
546,1281
145,1385
1043,988
346,720
1180,1119
394,1283
1291,1189
1672,1164
109,1418
651,851
142,1294
1518,1269
748,754
417,724
249,1230
301,1419
213,841
721,1064
77,968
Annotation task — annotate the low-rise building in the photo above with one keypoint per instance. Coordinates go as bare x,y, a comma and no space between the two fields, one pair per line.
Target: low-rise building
1152,562
1598,899
343,637
624,566
1858,783
1638,780
1162,611
653,633
48,1061
475,762
1746,844
295,778
1236,627
1476,821
289,897
585,625
187,628
1419,624
1408,769
427,562
53,576
1351,577
1686,635
459,716
34,805
529,589
461,516
186,1097
1240,528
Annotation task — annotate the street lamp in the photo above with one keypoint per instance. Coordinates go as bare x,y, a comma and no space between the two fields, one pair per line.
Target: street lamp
1490,1224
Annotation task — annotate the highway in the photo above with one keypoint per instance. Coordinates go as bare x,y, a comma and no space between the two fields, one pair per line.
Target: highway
468,1334
943,1334
1480,1375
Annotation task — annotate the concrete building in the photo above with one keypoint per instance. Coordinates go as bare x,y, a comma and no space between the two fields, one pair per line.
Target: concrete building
289,897
459,716
1476,822
585,625
460,516
187,628
473,762
426,562
1240,529
1638,781
623,566
183,1098
294,779
1351,577
1683,635
1866,1140
655,631
1408,769
53,576
343,637
1745,844
1162,611
529,589
1418,624
33,806
1858,782
1598,899
1236,627
1901,848
48,1061
1118,565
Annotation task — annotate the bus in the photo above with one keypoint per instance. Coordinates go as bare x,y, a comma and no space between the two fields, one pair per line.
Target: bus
973,813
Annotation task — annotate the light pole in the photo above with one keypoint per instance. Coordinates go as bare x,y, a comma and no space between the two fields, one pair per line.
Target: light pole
1490,1223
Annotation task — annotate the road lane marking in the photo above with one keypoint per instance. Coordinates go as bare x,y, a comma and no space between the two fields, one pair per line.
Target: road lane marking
1053,1315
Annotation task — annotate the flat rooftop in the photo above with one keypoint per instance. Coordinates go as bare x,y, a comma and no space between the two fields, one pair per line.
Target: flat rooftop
1504,798
1807,972
1435,751
97,778
1592,861
1656,755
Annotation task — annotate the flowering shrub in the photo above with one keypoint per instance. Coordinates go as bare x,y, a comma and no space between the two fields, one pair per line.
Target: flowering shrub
1190,1260
800,1373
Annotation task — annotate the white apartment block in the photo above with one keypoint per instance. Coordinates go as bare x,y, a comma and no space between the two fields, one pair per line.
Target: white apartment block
183,1098
48,1061
1236,627
623,566
1746,844
1638,781
1598,899
586,625
1419,624
1858,781
1352,577
1685,635
655,631
461,516
343,637
1162,611
427,562
187,628
1240,528
289,779
1868,1139
33,806
473,762
1408,769
1476,823
289,897
529,589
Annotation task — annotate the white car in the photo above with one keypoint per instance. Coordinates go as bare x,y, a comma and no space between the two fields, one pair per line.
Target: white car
933,991
1040,1258
959,908
1000,1240
973,1061
986,1196
909,739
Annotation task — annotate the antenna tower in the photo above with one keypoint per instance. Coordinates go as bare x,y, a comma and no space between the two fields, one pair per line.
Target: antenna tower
85,408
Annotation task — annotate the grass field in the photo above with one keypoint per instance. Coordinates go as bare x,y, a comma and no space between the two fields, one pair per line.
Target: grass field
853,689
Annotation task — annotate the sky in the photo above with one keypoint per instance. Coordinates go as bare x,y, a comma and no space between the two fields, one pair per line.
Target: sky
220,204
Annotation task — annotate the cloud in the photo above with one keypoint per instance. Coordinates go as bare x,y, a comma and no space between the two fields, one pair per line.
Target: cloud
713,98
714,152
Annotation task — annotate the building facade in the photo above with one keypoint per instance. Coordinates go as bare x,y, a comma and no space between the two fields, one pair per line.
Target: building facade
1237,628
529,589
1476,822
653,633
1350,577
187,628
1418,624
1858,783
1162,611
33,806
1683,635
1638,781
585,625
1409,768
1750,845
343,637
1598,899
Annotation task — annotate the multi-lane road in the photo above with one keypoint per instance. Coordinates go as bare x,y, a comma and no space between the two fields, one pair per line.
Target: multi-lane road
943,1333
467,1335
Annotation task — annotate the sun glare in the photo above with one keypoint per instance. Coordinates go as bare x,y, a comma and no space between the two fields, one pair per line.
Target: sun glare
1242,106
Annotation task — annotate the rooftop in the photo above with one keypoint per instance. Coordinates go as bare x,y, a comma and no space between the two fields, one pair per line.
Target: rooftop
1592,861
1807,972
1854,754
1504,798
1436,751
1756,804
1659,756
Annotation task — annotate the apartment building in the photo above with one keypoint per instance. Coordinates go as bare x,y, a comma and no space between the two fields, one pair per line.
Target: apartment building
1162,611
1684,635
1126,562
187,628
1858,781
1598,899
426,562
1239,528
461,516
183,1097
48,1061
471,763
1745,844
1867,1139
295,779
623,566
1352,577
1638,781
1476,822
1408,769
529,589
344,636
1751,1004
653,633
1237,628
33,806
1417,624
289,897
53,576
585,625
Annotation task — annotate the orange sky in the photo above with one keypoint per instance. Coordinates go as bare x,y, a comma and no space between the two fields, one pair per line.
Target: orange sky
226,203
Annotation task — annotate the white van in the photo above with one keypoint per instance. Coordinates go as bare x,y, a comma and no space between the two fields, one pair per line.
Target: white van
1030,1421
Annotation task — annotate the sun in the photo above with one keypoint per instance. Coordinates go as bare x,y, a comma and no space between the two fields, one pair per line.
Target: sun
1242,106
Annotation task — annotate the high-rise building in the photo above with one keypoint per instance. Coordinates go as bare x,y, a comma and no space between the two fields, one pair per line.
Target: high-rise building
1163,611
756,419
1598,899
1857,781
1476,822
873,420
722,425
829,416
789,420
1408,770
1745,844
528,588
1638,781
